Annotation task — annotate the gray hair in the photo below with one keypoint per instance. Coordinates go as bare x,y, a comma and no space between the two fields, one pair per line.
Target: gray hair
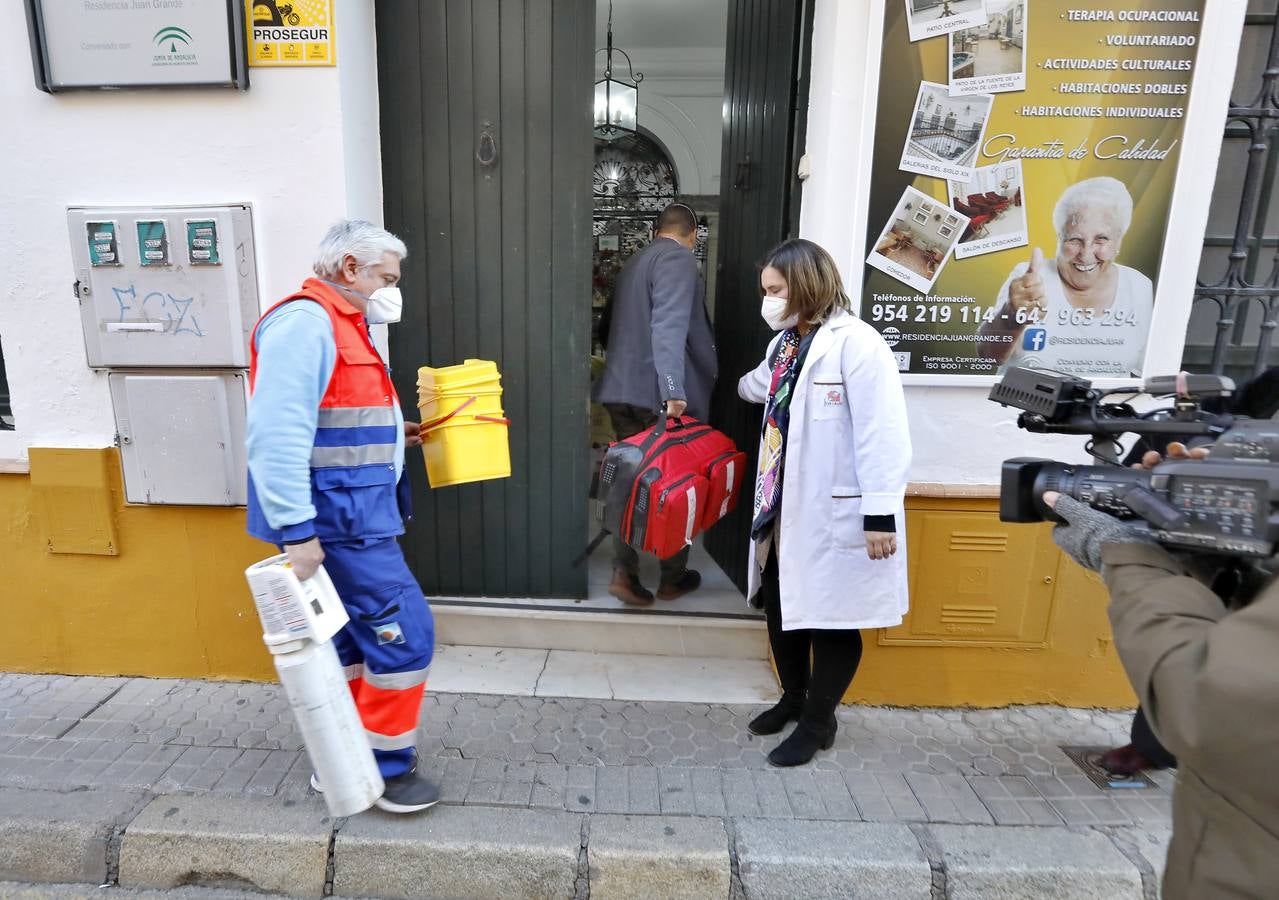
1104,193
355,237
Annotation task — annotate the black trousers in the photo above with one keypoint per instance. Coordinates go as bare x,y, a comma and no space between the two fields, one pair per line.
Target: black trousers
815,663
1147,744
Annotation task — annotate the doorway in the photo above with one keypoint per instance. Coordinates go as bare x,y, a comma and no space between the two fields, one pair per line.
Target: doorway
488,163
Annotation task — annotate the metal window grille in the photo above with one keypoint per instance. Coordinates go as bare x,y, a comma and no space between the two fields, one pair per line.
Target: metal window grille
1236,299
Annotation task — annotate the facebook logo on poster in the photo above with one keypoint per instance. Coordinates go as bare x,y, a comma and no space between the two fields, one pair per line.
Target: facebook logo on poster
1034,339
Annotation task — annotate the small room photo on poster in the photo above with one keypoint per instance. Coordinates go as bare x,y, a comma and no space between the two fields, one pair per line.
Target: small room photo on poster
912,252
934,18
995,203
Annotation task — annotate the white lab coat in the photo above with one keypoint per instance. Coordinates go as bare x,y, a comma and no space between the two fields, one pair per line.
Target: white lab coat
847,456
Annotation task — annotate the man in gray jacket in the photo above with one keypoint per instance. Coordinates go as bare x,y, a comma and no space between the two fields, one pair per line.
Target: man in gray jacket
660,357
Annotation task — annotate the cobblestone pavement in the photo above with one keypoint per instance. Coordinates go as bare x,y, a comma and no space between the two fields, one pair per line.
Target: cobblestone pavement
1002,767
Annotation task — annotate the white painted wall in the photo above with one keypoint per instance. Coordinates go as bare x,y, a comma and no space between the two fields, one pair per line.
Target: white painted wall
959,436
301,145
681,102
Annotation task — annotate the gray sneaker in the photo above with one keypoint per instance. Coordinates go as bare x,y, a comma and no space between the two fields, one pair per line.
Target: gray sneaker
408,793
405,793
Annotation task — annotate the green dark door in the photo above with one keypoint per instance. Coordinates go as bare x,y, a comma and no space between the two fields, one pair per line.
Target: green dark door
486,150
765,88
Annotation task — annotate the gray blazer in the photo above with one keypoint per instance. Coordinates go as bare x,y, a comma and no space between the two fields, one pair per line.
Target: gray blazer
660,343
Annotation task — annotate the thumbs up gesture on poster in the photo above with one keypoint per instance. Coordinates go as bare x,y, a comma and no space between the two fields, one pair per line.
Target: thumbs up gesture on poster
1027,292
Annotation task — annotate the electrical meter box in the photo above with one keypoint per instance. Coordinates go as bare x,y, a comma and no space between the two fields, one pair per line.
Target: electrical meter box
181,436
165,286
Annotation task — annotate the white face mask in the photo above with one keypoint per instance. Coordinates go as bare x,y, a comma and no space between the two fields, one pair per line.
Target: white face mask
382,307
385,306
773,309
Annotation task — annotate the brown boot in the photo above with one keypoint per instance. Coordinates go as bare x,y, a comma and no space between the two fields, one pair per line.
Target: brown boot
627,588
690,581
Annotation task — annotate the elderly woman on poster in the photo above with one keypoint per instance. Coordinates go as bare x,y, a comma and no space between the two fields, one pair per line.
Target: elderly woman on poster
1081,313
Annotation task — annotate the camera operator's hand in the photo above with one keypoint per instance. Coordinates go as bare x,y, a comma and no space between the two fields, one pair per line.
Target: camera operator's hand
1086,529
1176,450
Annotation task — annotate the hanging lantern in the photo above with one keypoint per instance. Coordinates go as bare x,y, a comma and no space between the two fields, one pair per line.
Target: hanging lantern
616,100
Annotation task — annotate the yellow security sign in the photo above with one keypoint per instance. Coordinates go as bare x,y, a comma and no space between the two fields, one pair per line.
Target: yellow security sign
299,33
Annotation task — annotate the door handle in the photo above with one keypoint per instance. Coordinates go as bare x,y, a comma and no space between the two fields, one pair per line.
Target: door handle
486,152
743,180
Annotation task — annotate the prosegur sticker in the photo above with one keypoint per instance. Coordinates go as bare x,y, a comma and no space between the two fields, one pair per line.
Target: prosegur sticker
202,242
153,242
104,249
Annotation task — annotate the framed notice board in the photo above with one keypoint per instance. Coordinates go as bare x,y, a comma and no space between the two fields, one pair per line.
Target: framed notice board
111,44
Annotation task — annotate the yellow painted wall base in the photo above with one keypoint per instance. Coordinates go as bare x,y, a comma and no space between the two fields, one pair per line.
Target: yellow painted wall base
95,586
998,616
171,601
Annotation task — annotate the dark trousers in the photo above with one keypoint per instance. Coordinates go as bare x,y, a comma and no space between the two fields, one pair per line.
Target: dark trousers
1143,738
835,654
629,421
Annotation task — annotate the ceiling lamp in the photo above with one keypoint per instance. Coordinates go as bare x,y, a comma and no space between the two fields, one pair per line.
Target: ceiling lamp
616,101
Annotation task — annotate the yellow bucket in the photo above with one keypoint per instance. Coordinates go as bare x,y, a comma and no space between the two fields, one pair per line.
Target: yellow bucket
465,435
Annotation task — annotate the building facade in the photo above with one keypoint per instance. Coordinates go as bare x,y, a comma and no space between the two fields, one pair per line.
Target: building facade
104,579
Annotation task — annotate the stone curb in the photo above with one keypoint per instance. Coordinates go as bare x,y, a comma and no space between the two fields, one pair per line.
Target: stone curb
273,846
784,859
291,846
459,852
47,836
674,857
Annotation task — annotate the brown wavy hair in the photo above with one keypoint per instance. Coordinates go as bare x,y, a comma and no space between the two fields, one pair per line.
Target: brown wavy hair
815,290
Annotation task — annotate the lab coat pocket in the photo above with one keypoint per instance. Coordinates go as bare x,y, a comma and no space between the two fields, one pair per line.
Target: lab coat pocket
827,398
846,518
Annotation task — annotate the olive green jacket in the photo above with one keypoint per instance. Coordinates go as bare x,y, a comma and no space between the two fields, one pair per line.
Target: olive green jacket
1208,679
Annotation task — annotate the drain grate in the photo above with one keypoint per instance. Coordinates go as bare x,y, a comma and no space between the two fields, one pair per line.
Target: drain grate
1086,758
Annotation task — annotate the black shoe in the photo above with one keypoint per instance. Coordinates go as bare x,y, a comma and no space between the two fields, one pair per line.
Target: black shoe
773,720
690,581
802,744
408,793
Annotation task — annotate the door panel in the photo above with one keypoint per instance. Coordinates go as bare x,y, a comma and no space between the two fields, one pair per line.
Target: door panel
498,268
762,84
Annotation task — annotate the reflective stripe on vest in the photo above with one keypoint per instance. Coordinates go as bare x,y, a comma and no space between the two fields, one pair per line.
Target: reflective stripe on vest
354,436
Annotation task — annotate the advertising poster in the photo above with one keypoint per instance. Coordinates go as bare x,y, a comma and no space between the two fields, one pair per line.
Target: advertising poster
1046,144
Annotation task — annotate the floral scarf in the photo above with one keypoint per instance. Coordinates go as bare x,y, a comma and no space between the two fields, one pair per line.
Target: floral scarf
787,362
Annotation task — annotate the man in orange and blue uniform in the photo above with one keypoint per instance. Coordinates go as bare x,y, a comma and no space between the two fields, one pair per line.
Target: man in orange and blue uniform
326,443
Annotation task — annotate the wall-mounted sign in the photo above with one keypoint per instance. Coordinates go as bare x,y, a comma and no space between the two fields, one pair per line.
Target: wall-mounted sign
137,43
1023,182
291,34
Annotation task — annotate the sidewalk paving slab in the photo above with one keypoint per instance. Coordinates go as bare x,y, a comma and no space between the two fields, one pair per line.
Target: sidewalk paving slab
48,836
673,857
817,860
278,846
459,852
1027,861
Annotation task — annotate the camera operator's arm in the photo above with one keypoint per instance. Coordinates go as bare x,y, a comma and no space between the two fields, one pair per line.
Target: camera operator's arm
1178,652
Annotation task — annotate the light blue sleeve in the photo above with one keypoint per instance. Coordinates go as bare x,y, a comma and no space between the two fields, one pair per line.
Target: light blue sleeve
296,356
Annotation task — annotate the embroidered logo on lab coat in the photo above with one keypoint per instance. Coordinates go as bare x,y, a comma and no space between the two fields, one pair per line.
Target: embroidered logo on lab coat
834,397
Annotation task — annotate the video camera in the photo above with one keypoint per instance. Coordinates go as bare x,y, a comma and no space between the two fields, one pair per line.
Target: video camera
1227,504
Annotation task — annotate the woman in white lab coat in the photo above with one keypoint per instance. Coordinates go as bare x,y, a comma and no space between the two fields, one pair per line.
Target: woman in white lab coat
831,558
